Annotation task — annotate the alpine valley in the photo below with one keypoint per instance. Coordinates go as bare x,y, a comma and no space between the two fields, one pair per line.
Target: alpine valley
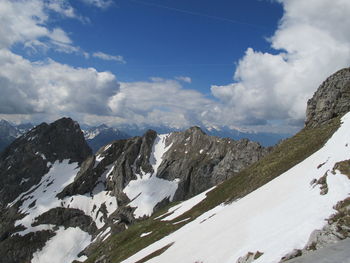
183,196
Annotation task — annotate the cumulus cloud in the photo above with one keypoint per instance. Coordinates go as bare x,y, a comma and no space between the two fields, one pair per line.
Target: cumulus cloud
311,42
108,57
25,22
269,90
46,88
50,87
159,102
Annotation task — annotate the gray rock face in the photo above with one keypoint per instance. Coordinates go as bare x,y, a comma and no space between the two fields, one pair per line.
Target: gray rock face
197,160
26,160
67,217
332,99
201,161
336,230
22,165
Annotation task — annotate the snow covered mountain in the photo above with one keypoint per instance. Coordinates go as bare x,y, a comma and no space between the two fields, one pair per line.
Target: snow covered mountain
55,192
101,135
179,197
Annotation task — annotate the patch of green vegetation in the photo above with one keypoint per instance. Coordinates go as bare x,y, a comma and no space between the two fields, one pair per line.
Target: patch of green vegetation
343,167
284,156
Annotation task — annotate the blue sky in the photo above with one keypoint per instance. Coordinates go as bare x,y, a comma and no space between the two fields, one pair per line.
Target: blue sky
171,38
244,64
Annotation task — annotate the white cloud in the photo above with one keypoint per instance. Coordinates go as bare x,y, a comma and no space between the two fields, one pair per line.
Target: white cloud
26,22
108,57
184,79
313,42
159,102
62,7
52,88
99,3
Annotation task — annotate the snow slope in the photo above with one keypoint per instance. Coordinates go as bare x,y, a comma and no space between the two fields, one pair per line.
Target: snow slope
274,219
42,197
184,206
63,247
148,190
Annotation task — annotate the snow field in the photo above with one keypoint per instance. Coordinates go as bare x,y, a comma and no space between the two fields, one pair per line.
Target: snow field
42,197
275,219
148,190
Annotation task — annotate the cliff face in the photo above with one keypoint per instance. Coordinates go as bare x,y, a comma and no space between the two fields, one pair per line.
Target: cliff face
332,99
27,159
192,158
25,185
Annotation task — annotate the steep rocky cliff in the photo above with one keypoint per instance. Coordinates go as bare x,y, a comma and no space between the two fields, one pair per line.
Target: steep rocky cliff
23,165
191,160
330,100
27,159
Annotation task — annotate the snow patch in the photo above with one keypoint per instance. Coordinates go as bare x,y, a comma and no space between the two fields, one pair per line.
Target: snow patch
44,194
181,221
63,247
148,190
185,206
145,234
41,198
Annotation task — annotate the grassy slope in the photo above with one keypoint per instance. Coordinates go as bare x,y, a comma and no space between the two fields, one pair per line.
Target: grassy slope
286,155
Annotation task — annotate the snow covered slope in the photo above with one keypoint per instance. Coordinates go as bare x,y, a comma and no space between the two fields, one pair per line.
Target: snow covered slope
41,198
274,219
148,190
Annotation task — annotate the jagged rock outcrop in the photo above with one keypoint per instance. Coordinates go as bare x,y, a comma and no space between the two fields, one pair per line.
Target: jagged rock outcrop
22,165
127,158
332,99
197,161
201,161
67,217
28,158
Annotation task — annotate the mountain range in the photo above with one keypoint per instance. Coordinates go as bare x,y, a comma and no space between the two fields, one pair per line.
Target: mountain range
98,136
184,196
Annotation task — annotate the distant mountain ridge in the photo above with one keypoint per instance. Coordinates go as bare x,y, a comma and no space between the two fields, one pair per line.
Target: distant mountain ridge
101,135
266,139
9,132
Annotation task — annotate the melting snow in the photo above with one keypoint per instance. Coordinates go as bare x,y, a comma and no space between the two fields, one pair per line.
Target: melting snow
148,190
274,219
181,221
42,197
145,234
63,247
185,206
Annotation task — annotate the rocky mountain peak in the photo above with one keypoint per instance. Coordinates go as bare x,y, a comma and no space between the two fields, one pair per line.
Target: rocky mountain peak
332,99
29,157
